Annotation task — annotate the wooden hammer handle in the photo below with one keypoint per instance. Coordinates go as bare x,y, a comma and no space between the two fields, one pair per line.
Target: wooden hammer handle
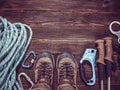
101,52
108,41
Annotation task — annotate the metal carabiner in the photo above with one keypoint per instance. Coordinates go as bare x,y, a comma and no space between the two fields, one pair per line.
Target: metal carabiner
32,61
117,33
88,56
28,79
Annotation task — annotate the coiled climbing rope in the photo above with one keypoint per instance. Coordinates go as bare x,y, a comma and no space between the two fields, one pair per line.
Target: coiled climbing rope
14,41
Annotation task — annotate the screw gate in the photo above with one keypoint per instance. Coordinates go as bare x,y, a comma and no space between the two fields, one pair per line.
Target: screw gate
117,33
90,56
32,61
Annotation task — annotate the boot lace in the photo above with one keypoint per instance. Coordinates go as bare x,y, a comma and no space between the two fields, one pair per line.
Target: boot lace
66,72
45,71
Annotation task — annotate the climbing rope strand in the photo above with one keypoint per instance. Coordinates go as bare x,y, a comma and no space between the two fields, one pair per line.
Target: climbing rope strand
8,41
6,59
13,45
3,76
18,51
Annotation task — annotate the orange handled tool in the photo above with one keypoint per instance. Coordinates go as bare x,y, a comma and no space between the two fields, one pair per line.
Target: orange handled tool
108,59
108,41
101,52
100,61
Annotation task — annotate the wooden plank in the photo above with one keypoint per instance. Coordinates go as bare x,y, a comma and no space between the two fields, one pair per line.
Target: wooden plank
64,25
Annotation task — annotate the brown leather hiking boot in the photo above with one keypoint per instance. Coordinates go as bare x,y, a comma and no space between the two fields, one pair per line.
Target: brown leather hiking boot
66,70
44,68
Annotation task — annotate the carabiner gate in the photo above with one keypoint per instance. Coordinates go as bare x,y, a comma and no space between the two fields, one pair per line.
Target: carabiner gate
32,61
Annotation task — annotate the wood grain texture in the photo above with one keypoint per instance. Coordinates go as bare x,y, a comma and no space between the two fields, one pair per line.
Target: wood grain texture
64,25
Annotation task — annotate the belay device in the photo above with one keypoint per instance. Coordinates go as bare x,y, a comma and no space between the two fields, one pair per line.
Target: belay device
88,56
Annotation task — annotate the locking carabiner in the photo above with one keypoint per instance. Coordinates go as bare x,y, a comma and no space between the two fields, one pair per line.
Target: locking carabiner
117,33
32,61
28,79
89,56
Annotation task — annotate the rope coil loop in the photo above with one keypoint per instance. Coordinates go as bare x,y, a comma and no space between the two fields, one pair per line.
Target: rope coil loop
14,41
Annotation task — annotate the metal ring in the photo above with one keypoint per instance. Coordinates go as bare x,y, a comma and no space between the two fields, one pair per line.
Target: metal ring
119,40
110,27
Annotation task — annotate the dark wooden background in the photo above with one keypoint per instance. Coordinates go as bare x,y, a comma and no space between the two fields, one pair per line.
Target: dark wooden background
65,25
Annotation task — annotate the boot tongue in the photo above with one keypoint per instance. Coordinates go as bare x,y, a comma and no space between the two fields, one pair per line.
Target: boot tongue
43,80
65,85
66,81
